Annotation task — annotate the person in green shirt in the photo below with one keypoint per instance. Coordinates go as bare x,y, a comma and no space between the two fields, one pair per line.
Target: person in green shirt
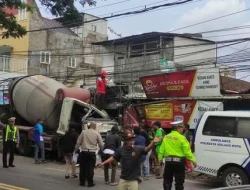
159,133
175,149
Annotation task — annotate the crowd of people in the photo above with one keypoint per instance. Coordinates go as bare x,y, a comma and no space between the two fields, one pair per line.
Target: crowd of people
144,151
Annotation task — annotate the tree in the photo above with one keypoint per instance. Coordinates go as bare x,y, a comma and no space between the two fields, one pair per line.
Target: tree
62,8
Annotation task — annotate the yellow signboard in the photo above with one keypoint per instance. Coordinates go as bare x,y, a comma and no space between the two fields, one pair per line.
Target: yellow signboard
159,111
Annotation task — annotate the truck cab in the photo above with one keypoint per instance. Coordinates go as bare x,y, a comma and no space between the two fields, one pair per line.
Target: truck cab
81,114
222,146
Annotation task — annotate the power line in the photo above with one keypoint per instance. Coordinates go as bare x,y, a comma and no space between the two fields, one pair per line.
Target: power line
240,40
121,14
211,20
111,4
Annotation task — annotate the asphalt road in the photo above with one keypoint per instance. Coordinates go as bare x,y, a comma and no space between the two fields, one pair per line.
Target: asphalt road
50,176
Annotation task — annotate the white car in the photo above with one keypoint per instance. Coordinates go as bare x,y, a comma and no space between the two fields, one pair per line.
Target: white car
222,146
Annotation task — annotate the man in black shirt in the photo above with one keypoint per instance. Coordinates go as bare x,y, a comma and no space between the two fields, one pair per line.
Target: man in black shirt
130,157
112,143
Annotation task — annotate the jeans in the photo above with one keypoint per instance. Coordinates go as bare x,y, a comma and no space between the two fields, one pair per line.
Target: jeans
145,167
106,169
39,146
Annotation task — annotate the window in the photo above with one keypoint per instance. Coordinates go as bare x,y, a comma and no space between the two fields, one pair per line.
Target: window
4,63
77,30
72,62
45,57
148,48
220,126
93,28
22,13
151,48
243,129
136,50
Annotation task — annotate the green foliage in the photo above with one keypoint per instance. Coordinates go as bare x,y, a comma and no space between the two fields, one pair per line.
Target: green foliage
63,8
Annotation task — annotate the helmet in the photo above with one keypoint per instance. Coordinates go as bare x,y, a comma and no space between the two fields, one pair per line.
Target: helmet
104,73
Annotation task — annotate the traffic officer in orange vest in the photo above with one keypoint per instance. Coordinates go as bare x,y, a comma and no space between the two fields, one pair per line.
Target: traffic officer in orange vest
10,141
175,149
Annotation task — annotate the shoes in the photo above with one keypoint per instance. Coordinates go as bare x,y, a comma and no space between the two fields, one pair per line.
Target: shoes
12,166
74,176
44,161
159,177
37,162
82,184
5,166
113,184
91,185
107,182
66,176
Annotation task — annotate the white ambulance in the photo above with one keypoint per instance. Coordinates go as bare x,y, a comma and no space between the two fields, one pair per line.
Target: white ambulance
222,146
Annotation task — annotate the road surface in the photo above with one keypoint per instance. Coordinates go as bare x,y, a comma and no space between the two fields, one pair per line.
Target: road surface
50,176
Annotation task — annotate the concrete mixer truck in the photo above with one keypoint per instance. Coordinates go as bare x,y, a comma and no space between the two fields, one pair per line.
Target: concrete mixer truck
34,97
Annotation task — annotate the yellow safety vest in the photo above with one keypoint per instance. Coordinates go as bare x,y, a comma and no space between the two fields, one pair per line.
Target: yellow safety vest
175,144
8,130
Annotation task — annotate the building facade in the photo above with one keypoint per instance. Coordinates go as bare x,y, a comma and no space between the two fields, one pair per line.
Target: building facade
52,48
153,53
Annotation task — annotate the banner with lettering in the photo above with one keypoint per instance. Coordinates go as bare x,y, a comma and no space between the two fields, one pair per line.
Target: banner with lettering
187,111
190,83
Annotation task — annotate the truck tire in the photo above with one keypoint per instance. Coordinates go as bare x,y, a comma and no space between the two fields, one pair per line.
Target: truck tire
234,176
24,145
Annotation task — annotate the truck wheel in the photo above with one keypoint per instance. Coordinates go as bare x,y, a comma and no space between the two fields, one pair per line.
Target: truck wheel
24,145
234,176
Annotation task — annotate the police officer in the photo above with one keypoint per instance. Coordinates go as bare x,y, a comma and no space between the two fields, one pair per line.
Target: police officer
175,148
89,140
10,141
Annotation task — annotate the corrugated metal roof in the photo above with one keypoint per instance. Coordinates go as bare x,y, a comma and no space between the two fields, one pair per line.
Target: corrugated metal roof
48,23
143,36
234,86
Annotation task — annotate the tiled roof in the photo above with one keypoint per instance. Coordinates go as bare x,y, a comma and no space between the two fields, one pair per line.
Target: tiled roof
48,23
234,86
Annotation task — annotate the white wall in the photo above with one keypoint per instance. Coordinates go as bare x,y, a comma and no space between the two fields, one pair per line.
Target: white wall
108,59
101,26
205,54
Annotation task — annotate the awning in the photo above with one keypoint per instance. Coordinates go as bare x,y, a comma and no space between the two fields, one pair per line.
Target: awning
5,50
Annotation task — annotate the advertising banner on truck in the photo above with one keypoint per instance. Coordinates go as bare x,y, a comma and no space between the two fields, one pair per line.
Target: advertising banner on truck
191,83
187,111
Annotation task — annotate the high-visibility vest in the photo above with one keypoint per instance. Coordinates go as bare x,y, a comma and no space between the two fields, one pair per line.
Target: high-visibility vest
8,130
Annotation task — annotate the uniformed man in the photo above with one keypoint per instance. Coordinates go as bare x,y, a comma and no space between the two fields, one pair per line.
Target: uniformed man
88,141
176,149
10,141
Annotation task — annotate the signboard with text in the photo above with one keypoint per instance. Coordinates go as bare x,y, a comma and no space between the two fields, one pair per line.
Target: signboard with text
191,83
187,111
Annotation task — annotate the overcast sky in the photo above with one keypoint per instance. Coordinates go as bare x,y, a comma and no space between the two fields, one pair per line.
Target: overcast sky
169,19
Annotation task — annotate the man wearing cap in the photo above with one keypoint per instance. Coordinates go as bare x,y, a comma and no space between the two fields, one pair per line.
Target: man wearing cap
101,90
10,141
89,140
176,149
130,157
